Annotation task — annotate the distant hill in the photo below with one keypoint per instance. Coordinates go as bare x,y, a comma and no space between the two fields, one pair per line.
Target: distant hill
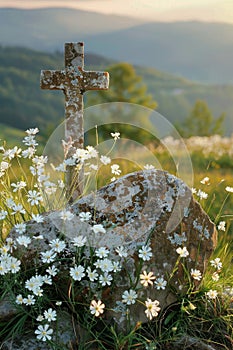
195,50
48,28
198,51
23,104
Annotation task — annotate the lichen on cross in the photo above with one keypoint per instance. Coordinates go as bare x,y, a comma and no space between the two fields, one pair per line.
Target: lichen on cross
74,81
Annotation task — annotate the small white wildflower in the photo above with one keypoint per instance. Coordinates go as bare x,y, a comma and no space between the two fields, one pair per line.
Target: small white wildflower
3,167
40,161
160,283
196,274
4,268
40,318
81,155
92,153
229,189
48,256
14,265
20,228
122,252
116,266
38,292
66,215
4,249
98,228
34,197
215,276
3,214
79,241
61,184
105,160
92,275
77,272
10,203
18,208
38,237
216,263
147,278
34,283
39,279
47,279
12,153
19,299
102,252
30,300
52,270
202,194
212,294
31,284
115,168
222,226
183,252
50,315
149,167
10,243
69,162
104,265
205,181
30,141
115,135
85,216
32,131
129,297
97,308
23,240
44,332
18,186
29,152
61,167
92,167
37,218
145,253
57,245
152,308
98,263
105,279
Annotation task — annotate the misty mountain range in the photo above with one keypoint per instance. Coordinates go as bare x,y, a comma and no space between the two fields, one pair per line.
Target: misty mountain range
198,51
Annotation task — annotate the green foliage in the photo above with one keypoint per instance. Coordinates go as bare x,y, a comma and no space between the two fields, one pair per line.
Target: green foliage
201,122
125,86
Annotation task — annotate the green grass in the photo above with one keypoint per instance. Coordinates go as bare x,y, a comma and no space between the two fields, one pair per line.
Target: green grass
12,135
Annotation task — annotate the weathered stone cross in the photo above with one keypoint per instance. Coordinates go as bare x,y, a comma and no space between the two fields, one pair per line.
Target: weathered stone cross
74,81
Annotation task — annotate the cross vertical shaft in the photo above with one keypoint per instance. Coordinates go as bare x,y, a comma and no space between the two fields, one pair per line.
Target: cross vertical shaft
74,81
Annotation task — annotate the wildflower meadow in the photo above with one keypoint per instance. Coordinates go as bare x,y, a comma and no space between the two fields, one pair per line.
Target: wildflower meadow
93,274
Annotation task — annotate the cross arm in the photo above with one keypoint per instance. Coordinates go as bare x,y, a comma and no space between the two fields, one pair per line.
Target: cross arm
52,79
95,80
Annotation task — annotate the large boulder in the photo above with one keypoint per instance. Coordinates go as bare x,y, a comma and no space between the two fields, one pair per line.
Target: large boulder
147,205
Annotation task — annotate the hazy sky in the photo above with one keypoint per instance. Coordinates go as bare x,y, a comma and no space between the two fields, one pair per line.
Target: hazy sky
209,10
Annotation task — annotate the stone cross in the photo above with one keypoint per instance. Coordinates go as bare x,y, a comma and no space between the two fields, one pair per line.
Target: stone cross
74,81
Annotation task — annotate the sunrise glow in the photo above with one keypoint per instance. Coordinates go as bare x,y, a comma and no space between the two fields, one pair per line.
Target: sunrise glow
170,10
